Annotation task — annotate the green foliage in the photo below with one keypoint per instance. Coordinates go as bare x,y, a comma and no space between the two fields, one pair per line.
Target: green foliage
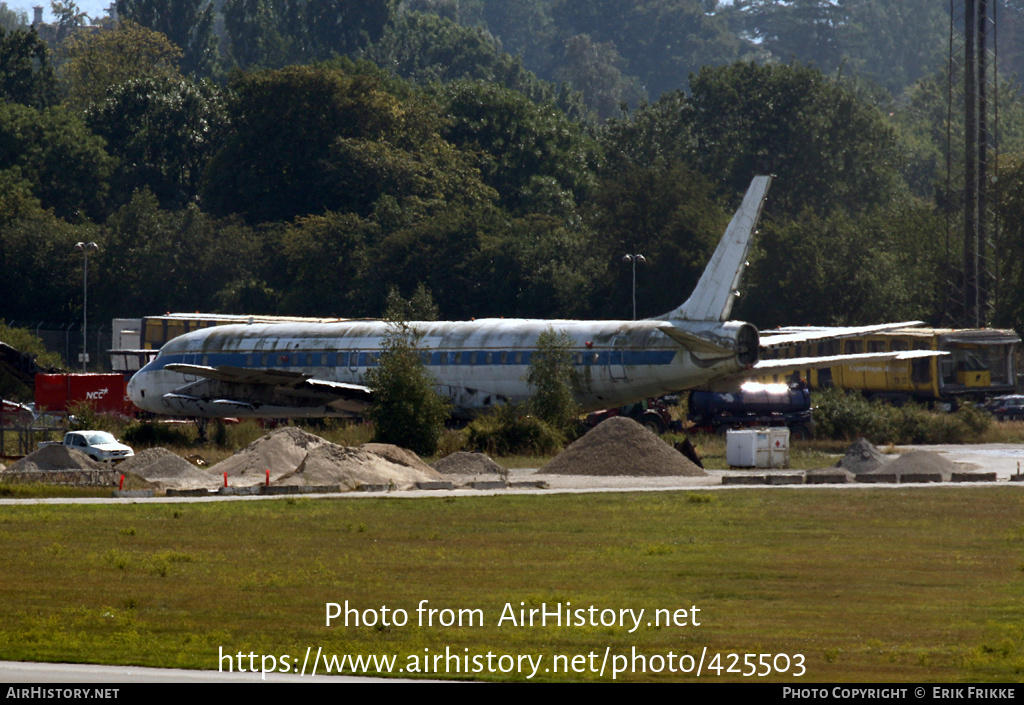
67,165
26,75
885,265
507,430
890,43
848,415
426,48
334,138
189,24
164,131
827,146
149,434
41,274
537,159
406,410
266,34
84,417
420,307
11,19
553,378
158,260
597,70
22,340
669,215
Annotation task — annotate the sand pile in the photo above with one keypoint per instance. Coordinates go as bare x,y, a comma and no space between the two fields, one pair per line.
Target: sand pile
164,469
621,446
463,463
56,457
331,464
862,456
922,461
280,452
399,456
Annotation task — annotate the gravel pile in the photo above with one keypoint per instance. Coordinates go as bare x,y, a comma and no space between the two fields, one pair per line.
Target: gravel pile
862,456
923,461
463,463
395,454
332,464
56,457
621,446
280,452
164,469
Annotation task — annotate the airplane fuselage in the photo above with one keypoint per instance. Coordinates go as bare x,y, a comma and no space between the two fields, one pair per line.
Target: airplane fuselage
476,364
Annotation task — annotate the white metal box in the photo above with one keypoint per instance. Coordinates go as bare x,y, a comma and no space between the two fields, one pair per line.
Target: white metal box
757,448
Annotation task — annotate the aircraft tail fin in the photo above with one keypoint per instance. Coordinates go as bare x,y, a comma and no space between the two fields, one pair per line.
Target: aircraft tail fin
713,297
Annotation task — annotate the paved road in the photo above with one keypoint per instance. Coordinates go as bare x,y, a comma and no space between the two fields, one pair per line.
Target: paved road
37,673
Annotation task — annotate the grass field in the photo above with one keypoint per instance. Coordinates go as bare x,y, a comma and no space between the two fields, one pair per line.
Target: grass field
868,585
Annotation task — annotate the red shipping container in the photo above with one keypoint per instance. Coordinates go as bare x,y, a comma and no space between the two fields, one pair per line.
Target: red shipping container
108,393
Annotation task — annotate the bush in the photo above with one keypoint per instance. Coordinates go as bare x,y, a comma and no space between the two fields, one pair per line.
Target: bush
144,433
846,415
406,410
552,378
508,431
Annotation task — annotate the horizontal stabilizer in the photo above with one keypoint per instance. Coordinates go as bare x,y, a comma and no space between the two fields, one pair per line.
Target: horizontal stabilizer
794,334
807,363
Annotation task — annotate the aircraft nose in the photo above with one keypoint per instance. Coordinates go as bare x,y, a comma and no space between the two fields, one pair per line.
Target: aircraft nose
135,389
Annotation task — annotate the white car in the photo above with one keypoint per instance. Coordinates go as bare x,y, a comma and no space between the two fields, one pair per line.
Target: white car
98,445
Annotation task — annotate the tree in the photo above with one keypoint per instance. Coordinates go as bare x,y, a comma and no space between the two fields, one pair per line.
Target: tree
597,71
98,62
828,147
11,19
66,165
429,49
164,131
552,377
309,139
268,34
189,24
533,155
419,307
69,18
26,75
406,410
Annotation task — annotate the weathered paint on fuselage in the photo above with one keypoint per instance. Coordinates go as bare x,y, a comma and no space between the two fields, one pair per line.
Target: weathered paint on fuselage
477,364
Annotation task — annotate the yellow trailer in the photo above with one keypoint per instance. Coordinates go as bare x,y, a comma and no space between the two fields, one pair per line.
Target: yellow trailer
981,363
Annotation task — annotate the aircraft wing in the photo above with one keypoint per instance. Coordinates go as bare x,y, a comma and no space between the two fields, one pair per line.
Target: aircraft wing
247,388
795,334
804,363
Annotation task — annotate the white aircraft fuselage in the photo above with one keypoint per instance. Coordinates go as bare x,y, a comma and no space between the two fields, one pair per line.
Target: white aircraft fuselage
477,364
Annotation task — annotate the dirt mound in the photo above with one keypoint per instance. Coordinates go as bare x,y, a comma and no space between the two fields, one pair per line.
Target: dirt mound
463,463
923,461
164,468
331,464
280,452
57,457
397,455
862,456
621,446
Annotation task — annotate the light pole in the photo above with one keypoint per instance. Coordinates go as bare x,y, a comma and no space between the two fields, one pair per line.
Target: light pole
634,259
85,248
